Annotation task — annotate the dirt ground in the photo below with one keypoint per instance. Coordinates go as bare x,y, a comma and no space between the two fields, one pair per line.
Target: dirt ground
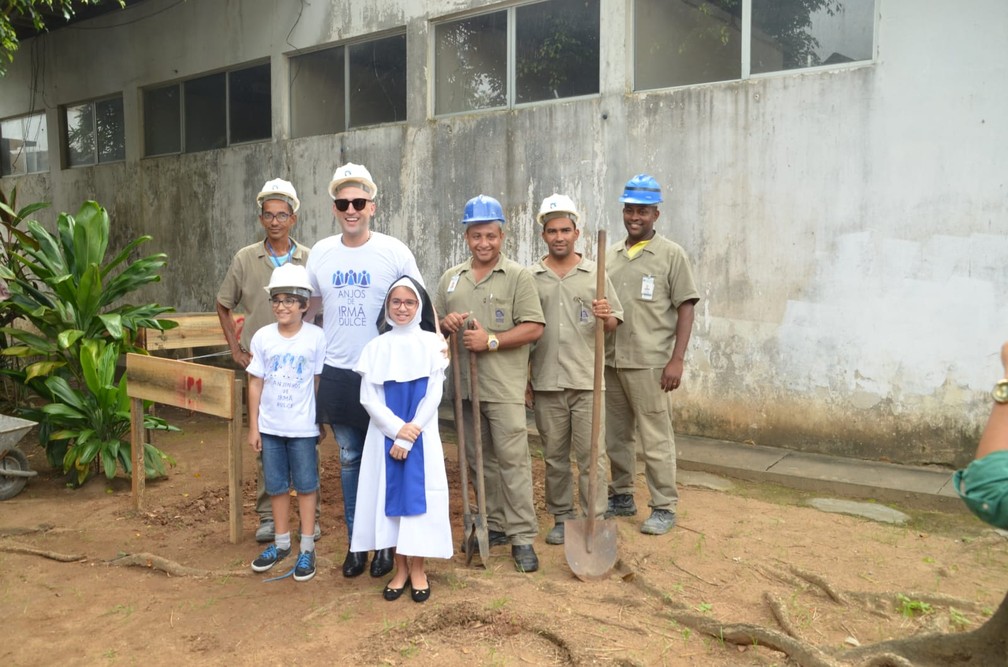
834,580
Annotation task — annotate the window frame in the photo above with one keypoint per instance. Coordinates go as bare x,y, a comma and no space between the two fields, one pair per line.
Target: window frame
346,124
745,40
180,86
44,131
511,65
96,154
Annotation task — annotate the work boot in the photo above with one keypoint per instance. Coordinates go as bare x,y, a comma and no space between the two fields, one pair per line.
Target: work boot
497,538
659,523
524,557
383,562
621,504
266,531
556,535
354,563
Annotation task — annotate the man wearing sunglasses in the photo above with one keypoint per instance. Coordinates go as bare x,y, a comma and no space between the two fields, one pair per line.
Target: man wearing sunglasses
351,273
242,291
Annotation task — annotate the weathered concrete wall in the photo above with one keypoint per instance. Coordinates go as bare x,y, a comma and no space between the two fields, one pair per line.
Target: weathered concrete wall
847,227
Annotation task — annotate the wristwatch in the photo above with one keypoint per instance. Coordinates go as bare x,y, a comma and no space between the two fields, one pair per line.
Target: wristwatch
492,342
1000,391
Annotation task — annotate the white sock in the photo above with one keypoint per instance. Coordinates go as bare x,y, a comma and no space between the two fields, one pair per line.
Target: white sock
307,542
283,541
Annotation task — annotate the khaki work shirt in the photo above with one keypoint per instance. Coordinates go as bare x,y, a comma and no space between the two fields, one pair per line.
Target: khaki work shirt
244,285
650,287
563,357
505,298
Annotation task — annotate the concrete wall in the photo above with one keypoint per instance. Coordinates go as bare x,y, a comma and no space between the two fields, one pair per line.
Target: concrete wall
847,226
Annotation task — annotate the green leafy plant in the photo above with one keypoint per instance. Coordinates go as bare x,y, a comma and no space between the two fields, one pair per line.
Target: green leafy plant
910,608
74,301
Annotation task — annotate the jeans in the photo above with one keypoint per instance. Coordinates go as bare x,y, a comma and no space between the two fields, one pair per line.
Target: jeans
290,462
351,444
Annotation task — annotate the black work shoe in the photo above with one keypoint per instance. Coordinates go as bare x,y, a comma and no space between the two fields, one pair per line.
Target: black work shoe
354,563
497,538
382,562
621,504
556,534
525,558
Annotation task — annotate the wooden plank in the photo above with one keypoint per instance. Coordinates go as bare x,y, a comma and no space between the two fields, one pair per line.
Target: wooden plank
183,384
235,465
137,443
194,330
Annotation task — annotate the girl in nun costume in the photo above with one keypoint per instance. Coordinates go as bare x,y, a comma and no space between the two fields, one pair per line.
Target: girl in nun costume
402,500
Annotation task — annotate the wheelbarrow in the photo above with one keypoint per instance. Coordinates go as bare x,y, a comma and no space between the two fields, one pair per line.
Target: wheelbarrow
14,472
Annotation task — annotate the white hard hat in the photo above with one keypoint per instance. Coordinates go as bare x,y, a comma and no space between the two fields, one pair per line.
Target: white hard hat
290,279
556,203
280,189
353,174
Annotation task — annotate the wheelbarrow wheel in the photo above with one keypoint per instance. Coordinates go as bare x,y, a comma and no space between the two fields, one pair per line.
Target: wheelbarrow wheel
13,459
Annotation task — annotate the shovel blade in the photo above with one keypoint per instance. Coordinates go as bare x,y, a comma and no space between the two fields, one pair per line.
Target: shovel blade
590,561
482,539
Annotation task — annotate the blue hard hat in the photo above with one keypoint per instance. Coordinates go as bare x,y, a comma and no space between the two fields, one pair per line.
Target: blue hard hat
641,189
482,208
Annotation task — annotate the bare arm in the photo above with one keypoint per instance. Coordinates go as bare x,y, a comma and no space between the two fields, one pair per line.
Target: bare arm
995,435
672,374
232,334
254,396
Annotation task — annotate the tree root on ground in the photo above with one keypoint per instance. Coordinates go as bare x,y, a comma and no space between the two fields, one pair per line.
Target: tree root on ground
984,646
146,560
32,551
16,532
170,567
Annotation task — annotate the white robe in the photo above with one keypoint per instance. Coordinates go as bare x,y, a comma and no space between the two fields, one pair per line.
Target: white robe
403,354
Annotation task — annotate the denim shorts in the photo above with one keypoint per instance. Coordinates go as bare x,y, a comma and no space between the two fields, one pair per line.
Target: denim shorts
289,463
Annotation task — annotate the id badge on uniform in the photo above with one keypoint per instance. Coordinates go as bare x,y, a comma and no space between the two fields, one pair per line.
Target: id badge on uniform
499,317
647,288
453,283
585,315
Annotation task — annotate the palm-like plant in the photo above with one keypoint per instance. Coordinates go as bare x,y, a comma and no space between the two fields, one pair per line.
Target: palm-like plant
74,301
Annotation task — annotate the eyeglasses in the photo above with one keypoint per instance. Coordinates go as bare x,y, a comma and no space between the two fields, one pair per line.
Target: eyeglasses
358,204
396,304
288,301
280,217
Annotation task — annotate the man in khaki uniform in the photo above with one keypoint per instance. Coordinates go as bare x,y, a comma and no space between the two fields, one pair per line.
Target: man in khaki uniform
242,290
492,302
562,380
654,282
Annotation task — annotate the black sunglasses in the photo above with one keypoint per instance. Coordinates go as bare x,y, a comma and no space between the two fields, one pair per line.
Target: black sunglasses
358,204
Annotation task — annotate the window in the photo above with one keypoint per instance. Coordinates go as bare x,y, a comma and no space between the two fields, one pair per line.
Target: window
683,42
323,103
93,132
555,54
208,112
24,145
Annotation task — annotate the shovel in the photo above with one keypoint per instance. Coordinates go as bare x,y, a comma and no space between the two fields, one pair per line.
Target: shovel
480,530
590,543
468,521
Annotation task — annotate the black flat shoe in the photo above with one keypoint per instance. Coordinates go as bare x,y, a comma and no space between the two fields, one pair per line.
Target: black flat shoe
393,594
354,563
420,594
383,562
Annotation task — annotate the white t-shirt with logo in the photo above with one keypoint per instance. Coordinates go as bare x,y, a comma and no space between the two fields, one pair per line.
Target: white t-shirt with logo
288,367
353,283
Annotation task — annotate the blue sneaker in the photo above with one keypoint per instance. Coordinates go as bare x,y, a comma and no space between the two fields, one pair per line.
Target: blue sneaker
305,568
268,558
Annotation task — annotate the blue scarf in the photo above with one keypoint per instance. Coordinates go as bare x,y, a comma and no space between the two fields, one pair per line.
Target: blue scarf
404,480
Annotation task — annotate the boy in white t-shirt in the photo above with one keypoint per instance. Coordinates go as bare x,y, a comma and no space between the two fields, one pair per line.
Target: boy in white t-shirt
287,359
